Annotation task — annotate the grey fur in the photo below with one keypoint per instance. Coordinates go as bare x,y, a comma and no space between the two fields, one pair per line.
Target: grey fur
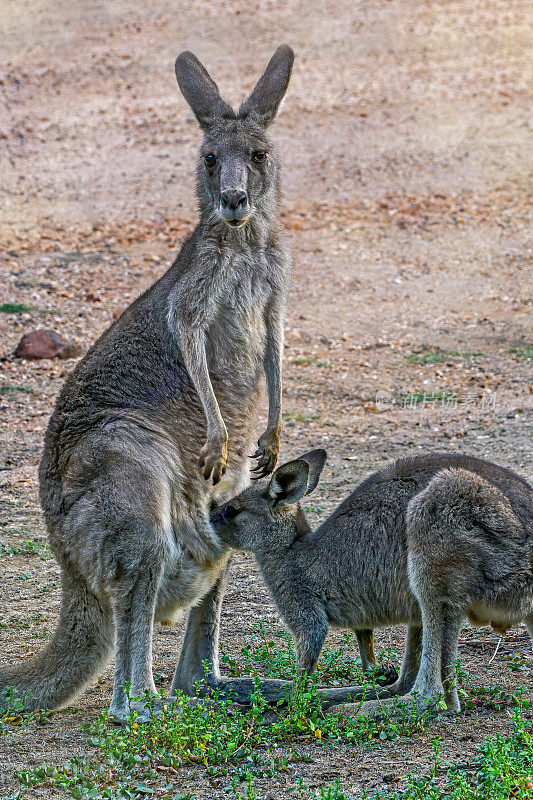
427,542
155,425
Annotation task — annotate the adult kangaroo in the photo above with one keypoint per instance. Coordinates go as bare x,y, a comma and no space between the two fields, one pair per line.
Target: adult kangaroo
155,424
427,541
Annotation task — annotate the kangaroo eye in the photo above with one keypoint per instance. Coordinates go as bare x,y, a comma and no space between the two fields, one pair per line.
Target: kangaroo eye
259,155
210,160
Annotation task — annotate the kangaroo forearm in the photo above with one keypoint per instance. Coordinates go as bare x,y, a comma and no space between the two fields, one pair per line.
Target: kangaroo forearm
273,377
309,640
300,608
193,352
273,373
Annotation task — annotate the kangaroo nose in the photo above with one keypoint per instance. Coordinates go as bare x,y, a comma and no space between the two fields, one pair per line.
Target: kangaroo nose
233,199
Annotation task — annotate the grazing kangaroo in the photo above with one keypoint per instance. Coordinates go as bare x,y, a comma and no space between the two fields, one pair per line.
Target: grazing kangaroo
154,425
427,541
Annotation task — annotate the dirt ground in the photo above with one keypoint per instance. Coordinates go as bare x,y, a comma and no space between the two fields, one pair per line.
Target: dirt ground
406,145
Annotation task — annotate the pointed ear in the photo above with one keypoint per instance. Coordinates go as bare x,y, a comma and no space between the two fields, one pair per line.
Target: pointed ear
288,483
200,90
265,100
316,460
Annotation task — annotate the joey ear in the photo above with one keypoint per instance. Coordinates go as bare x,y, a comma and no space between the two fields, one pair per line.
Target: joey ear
316,460
265,100
200,90
288,483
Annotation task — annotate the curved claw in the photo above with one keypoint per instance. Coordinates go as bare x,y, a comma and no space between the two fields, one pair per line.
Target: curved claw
263,474
264,467
262,464
266,453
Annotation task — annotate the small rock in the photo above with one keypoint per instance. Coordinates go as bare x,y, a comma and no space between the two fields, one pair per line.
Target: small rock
45,343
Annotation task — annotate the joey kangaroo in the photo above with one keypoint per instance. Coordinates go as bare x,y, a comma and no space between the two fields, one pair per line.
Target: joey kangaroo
154,425
427,541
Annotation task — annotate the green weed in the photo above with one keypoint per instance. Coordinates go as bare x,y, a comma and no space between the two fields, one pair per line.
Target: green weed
288,416
523,352
15,308
28,547
502,770
309,361
518,663
238,744
272,656
438,356
20,308
10,388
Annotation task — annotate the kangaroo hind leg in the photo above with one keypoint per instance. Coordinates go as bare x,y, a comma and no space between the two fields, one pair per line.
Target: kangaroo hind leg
134,608
198,669
353,695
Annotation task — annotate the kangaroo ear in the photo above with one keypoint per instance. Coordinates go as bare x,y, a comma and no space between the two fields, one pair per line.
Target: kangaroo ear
316,460
265,100
288,483
200,90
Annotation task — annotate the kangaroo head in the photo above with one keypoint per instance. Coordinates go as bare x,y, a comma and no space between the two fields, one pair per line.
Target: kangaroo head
271,516
238,170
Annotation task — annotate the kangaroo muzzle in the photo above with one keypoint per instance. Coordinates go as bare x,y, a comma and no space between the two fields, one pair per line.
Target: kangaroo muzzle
234,206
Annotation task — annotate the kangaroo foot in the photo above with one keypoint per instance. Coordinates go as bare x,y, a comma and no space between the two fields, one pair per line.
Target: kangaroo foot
146,708
353,694
241,690
384,707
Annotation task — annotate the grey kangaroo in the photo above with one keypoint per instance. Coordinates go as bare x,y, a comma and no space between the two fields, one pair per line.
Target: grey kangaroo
427,541
155,424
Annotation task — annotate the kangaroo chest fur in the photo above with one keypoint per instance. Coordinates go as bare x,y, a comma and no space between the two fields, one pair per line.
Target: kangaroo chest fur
236,332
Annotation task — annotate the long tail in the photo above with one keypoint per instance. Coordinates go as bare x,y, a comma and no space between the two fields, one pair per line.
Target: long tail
80,646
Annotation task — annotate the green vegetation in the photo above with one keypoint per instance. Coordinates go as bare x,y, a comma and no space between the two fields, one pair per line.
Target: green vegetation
15,308
231,747
271,655
228,743
10,388
289,416
523,352
27,548
309,361
15,623
518,663
20,308
502,770
438,356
